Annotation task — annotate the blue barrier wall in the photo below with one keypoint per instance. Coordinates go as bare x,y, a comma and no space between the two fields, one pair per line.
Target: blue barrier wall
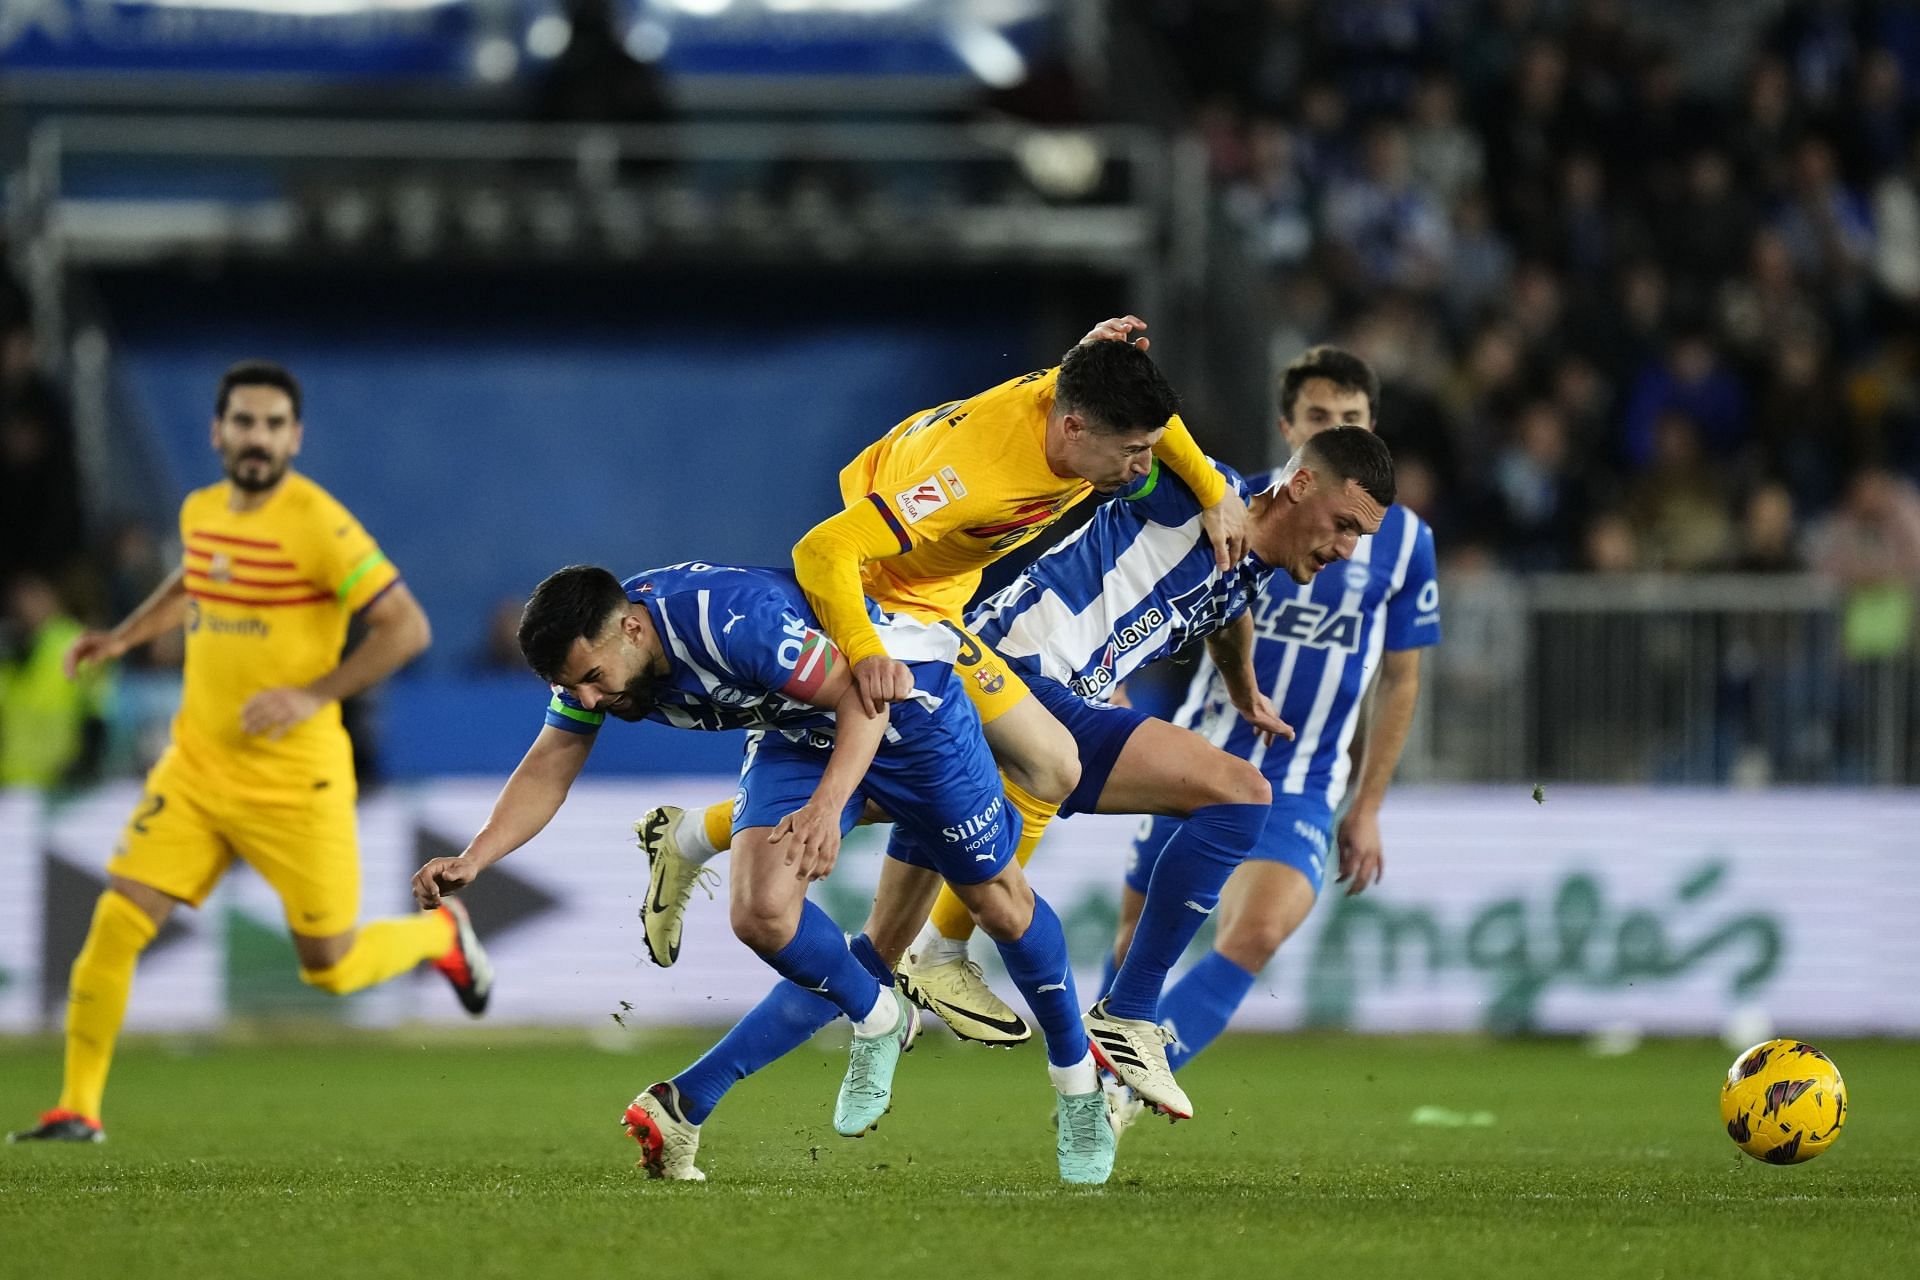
487,436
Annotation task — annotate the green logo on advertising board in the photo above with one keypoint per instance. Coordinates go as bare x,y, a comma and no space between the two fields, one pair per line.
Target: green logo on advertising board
1524,948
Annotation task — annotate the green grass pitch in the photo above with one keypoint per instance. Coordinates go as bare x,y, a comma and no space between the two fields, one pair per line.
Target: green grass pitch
497,1154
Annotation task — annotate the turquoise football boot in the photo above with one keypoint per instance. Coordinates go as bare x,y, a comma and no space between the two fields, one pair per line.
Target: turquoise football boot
867,1092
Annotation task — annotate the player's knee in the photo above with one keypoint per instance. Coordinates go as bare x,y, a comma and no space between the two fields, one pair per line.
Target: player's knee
1238,783
1003,908
1251,939
1050,779
762,927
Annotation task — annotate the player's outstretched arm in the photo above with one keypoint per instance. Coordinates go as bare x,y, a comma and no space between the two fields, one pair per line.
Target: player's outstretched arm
163,610
1396,691
810,836
1231,649
527,803
827,562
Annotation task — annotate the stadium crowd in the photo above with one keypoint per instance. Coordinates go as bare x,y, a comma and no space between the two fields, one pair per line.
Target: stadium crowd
1627,318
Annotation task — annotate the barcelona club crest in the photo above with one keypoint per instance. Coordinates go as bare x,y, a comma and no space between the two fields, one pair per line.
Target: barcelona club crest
220,567
989,679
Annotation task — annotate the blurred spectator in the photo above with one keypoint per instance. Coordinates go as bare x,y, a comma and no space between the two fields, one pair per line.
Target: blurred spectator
1801,423
1537,492
1896,222
1388,231
1381,46
51,728
1448,158
1608,545
1271,203
1703,236
1871,546
1692,381
1481,263
1816,39
1759,310
1824,223
1767,537
1876,131
1677,507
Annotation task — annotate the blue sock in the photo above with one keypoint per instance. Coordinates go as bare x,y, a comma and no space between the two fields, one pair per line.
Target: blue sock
1037,963
786,1019
779,1024
1199,1006
817,960
1108,967
1184,890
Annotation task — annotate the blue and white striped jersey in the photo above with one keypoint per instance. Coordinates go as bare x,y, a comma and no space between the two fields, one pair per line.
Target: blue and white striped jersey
1133,584
742,644
1317,647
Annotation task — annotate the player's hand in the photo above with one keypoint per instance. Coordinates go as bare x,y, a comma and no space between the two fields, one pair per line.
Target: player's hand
1228,528
1116,330
89,648
275,711
440,876
1119,696
881,680
1265,718
1362,861
810,840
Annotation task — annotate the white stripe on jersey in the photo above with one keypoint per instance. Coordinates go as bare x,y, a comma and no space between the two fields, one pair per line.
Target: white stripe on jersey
1259,752
1065,641
1342,764
706,631
1307,736
684,652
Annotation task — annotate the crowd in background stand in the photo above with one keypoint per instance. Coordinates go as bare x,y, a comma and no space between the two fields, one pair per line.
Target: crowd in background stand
1637,304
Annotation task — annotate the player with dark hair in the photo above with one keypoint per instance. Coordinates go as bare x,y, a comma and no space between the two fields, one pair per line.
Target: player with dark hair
929,506
1317,649
259,767
1135,583
700,646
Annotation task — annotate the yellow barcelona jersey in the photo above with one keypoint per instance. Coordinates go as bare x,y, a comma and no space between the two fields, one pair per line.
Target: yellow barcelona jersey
270,592
962,484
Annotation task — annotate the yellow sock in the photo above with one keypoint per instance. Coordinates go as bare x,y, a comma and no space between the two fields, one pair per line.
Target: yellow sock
719,822
384,949
950,915
97,998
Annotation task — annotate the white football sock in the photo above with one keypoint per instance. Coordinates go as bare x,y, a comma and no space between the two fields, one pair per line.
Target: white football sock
934,947
1076,1079
690,833
883,1019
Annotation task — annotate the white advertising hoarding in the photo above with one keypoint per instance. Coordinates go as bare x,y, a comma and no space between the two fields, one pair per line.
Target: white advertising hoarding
1663,911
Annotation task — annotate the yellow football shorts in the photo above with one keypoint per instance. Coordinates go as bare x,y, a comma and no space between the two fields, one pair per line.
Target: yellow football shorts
186,831
990,683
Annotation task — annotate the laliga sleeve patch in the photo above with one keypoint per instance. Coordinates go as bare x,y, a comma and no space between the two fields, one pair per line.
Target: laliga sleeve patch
921,501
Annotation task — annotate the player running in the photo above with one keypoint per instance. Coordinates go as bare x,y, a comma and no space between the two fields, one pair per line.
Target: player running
701,646
259,766
929,506
1317,647
1134,584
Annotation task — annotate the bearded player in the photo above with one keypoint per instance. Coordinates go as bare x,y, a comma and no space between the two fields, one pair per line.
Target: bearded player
259,767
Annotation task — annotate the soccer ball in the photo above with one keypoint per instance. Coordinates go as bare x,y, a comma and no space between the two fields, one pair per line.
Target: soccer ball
1783,1102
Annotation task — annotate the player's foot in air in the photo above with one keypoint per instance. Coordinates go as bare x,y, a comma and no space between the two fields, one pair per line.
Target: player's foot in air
867,1092
670,882
1123,1108
61,1126
465,964
1135,1050
668,1142
956,993
1086,1140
